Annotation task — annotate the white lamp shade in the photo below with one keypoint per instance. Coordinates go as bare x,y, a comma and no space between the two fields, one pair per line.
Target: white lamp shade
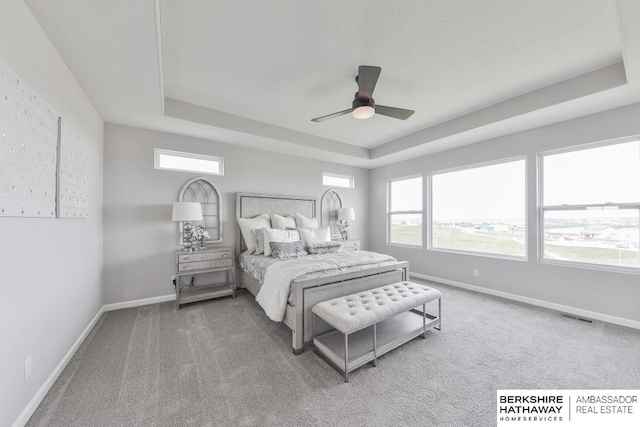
187,211
346,214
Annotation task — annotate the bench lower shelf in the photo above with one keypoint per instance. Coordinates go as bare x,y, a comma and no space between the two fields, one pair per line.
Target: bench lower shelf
391,333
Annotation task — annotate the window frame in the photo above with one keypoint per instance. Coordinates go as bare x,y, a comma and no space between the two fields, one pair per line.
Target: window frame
352,180
157,152
430,246
542,208
390,212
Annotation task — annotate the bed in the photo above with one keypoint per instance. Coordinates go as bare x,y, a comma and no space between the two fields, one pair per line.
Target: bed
307,290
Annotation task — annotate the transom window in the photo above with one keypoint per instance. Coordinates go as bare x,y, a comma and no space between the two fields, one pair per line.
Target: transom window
404,222
480,209
335,180
188,162
590,205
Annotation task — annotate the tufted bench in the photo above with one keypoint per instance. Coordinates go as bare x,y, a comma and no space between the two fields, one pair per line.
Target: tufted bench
389,311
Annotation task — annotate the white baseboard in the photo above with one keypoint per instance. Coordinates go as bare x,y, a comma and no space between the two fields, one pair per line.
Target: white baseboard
31,407
138,302
540,303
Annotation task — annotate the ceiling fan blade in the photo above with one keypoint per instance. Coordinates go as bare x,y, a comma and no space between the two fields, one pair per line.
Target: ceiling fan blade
331,116
367,79
396,113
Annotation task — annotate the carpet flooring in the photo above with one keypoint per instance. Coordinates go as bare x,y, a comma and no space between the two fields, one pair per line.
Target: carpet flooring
224,363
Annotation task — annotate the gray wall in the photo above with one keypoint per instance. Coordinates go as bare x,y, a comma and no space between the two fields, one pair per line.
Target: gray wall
616,294
51,268
140,238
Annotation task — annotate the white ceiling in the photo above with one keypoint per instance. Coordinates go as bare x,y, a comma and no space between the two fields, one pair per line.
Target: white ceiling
254,73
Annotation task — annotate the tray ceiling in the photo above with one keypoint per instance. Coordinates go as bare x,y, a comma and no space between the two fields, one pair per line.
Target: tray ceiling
255,73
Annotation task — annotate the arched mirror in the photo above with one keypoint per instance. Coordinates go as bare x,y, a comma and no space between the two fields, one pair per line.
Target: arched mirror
203,191
330,204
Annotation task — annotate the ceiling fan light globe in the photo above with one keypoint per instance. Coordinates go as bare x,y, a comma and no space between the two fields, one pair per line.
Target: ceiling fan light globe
363,112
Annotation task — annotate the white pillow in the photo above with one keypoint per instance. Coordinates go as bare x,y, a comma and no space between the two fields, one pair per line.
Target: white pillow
275,235
282,222
248,224
315,235
304,222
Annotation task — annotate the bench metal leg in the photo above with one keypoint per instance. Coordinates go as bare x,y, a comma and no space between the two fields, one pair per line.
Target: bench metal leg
424,321
375,346
439,327
313,333
346,358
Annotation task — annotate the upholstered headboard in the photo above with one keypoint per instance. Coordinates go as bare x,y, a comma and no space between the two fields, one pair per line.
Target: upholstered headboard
249,205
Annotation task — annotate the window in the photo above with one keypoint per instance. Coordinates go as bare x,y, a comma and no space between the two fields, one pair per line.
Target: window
404,222
590,205
334,180
188,162
480,209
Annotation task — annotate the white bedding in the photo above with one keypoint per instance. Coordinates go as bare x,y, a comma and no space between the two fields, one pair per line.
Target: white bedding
278,276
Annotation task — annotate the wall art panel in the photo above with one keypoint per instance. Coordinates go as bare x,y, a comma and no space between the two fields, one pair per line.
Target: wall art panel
73,174
28,150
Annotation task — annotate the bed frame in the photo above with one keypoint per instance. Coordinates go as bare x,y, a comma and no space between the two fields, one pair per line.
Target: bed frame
309,292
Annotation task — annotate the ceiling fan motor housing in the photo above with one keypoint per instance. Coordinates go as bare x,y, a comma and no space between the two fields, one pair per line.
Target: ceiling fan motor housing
359,102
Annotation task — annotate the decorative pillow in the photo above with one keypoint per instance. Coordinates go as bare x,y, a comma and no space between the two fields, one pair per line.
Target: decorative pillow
275,235
304,222
315,235
324,247
288,249
283,222
248,224
259,234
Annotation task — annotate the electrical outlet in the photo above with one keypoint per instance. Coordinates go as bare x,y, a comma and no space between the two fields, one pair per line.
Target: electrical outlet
27,368
476,272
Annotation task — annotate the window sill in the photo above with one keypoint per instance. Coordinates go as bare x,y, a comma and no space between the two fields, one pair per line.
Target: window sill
481,254
598,267
405,245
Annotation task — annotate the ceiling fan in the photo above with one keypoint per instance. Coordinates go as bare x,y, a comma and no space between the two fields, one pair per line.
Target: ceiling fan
364,107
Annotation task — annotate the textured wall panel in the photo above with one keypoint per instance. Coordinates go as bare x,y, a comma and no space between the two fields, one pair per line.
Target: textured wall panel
28,141
73,174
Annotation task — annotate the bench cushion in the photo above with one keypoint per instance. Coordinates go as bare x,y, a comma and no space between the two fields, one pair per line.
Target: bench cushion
354,312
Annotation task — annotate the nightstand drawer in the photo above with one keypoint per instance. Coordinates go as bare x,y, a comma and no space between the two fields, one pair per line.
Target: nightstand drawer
201,265
188,257
215,255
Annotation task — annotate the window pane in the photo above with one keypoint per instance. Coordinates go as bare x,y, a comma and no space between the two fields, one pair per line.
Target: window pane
188,163
605,237
406,195
593,176
406,229
337,181
480,209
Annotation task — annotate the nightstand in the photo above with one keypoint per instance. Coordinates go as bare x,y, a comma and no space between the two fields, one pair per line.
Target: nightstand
350,245
192,264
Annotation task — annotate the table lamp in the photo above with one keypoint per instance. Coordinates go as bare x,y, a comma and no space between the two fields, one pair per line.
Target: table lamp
344,215
187,212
